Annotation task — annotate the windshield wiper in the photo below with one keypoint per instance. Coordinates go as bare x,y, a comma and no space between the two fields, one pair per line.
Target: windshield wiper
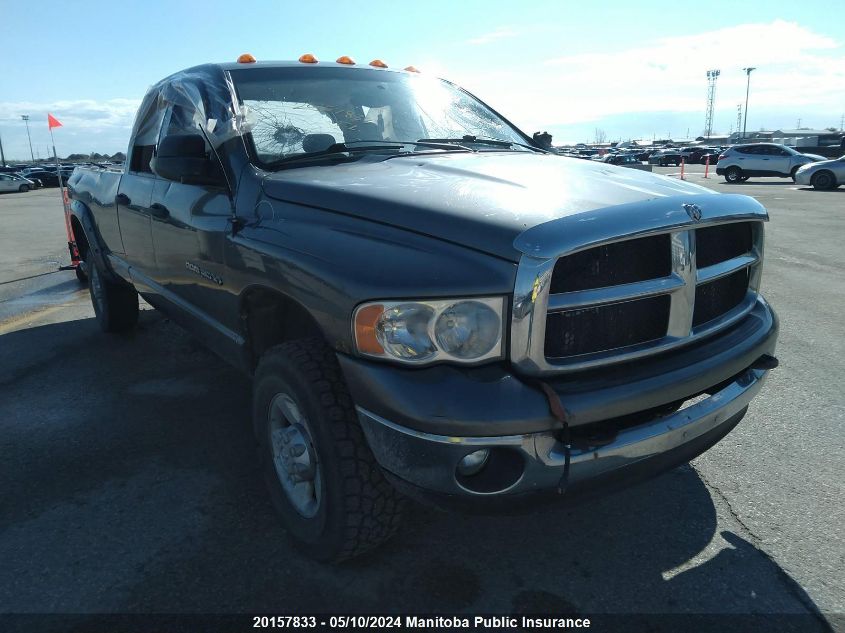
353,147
434,143
481,140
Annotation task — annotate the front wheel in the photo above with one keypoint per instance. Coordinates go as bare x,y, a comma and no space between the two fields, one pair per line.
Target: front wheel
323,479
824,180
115,303
733,175
23,188
793,173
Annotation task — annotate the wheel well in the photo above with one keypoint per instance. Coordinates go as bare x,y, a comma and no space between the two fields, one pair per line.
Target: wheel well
79,236
271,318
825,171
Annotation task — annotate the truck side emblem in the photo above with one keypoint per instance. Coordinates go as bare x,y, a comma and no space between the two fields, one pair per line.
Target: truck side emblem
203,273
693,211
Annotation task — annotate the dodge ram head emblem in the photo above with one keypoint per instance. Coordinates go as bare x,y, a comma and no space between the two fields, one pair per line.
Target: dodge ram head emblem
693,211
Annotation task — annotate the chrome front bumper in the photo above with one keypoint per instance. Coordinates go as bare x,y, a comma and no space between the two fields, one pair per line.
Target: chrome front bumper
429,462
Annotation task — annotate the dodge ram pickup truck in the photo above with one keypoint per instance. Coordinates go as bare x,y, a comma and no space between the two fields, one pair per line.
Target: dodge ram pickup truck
430,305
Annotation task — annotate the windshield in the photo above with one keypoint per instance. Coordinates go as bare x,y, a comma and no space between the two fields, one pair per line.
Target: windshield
294,111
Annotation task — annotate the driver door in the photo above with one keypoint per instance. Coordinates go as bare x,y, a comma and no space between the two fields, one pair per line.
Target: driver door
190,223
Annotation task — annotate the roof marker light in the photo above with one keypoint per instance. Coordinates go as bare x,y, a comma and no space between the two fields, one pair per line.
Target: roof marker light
378,63
346,59
308,58
246,58
412,69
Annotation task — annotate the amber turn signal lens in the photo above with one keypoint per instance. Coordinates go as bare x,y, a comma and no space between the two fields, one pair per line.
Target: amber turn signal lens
346,59
411,69
308,58
365,329
246,58
378,63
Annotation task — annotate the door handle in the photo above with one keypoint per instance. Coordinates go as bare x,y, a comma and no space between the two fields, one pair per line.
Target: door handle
159,211
123,199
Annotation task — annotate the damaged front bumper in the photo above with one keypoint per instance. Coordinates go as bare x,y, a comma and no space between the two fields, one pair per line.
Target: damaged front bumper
519,465
624,424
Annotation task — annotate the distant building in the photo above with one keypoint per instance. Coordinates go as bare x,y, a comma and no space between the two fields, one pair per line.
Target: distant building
794,138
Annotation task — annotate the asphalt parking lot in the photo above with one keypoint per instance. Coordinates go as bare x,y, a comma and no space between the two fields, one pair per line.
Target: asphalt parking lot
129,483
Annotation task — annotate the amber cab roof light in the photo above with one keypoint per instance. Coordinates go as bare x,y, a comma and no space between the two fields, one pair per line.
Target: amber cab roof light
308,58
346,59
412,69
378,63
246,58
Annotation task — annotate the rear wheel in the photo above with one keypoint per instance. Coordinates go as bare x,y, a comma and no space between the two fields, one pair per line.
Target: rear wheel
23,188
734,175
115,303
323,479
823,181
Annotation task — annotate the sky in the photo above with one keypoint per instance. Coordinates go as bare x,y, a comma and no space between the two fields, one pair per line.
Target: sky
630,68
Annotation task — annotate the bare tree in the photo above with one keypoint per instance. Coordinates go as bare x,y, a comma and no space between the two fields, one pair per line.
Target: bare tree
601,135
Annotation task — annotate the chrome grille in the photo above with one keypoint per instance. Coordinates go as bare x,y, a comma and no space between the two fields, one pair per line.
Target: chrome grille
621,309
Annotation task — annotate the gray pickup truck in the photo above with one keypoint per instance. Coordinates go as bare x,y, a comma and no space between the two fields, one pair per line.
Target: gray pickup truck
430,305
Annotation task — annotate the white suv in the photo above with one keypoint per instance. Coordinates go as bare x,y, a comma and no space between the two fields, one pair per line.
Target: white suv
739,162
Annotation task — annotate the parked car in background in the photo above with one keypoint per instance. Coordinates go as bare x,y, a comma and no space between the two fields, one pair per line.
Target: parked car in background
695,155
711,153
740,162
11,182
47,178
33,183
824,174
665,157
619,159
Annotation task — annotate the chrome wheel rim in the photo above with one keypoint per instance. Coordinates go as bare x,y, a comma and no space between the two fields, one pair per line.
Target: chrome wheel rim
294,457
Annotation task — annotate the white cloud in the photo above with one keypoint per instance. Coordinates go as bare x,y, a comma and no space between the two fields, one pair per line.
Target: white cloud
503,32
81,113
87,126
799,73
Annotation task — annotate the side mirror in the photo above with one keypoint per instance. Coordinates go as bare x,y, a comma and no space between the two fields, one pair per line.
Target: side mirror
182,157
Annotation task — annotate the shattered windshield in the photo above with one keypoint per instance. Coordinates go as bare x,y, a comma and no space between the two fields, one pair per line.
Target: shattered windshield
292,111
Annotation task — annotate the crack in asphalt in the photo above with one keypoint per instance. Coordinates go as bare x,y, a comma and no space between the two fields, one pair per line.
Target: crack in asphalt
788,583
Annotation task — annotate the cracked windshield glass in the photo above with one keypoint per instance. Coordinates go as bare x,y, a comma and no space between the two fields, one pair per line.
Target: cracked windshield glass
292,112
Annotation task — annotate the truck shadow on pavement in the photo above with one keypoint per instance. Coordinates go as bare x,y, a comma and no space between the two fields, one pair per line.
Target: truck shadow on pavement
130,484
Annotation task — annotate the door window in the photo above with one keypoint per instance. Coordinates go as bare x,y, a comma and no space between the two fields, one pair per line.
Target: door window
145,134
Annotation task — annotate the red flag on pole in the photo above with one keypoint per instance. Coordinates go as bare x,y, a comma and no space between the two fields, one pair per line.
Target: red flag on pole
53,121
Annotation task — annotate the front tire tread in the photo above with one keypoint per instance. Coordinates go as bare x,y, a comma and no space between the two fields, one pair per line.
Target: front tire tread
372,508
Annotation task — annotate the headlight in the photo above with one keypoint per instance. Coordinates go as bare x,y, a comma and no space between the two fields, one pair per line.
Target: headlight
421,332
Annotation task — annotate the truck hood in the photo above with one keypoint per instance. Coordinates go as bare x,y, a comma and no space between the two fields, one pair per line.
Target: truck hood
483,201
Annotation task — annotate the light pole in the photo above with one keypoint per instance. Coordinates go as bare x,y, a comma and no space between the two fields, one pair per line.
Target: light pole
747,88
25,118
712,76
